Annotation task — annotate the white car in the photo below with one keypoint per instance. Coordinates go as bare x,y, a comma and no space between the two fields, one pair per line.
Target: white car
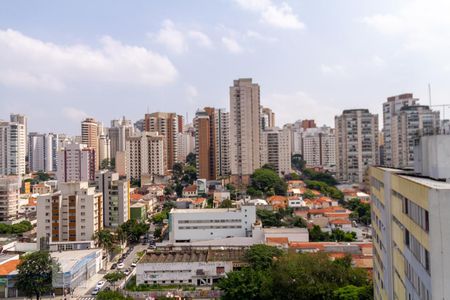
126,272
95,291
133,265
100,284
120,266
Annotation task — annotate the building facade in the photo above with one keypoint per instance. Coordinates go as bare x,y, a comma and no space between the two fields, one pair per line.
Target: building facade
145,155
187,225
9,198
166,124
276,149
89,136
74,213
76,162
245,129
118,133
356,144
410,225
13,139
116,198
42,152
319,147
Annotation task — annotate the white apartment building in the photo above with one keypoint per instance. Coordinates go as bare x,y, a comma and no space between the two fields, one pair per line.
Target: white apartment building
276,149
13,136
9,198
74,213
391,108
118,133
145,155
76,162
116,198
186,143
104,148
245,129
90,133
319,147
42,152
356,144
187,225
410,221
267,118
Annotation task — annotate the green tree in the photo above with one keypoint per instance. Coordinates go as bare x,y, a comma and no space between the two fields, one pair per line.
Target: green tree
159,217
177,171
227,203
104,239
105,164
268,218
267,180
261,256
35,271
157,233
42,176
320,176
351,292
190,174
243,284
113,277
297,162
111,295
191,159
134,230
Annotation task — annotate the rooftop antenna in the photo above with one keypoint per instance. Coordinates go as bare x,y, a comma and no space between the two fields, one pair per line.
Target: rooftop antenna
429,93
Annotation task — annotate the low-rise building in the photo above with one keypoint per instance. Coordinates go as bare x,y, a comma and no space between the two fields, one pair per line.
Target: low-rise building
191,267
190,191
188,225
138,211
41,188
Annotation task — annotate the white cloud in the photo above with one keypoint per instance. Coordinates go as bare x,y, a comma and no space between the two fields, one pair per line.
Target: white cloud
191,93
27,62
232,45
201,38
299,105
258,36
74,114
280,16
421,25
172,38
177,40
378,62
333,69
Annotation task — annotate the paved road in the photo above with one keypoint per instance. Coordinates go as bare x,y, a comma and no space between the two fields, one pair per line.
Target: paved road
127,262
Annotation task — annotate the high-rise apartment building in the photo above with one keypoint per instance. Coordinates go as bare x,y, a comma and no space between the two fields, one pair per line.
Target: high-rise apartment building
13,136
118,133
145,155
73,213
407,126
410,218
245,130
319,147
42,152
90,136
116,198
391,108
104,148
9,198
166,124
276,149
76,162
356,144
186,142
267,118
212,143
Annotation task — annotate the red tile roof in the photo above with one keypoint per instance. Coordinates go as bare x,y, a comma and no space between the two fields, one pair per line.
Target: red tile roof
8,267
340,222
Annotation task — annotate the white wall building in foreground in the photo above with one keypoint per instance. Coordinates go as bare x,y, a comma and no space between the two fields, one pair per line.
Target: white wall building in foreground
188,225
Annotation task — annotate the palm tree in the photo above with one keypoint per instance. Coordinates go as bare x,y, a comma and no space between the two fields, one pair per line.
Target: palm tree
104,239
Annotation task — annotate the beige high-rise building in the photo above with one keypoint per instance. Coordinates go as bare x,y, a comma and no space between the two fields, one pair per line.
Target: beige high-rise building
212,143
145,155
356,144
166,124
90,137
245,130
9,198
118,133
13,139
74,213
267,118
276,149
319,147
76,162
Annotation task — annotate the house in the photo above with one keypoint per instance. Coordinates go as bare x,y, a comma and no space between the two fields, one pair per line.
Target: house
190,191
323,216
8,273
277,202
295,202
41,188
343,224
191,203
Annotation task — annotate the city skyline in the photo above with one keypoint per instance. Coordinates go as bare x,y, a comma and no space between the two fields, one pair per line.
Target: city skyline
59,75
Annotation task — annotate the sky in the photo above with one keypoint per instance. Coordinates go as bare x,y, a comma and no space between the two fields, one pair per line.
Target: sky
62,61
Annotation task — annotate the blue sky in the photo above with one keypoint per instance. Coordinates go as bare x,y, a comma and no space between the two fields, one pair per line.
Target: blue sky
61,61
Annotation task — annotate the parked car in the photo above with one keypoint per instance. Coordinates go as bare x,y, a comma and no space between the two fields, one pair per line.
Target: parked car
133,265
126,272
100,284
120,266
95,291
113,266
